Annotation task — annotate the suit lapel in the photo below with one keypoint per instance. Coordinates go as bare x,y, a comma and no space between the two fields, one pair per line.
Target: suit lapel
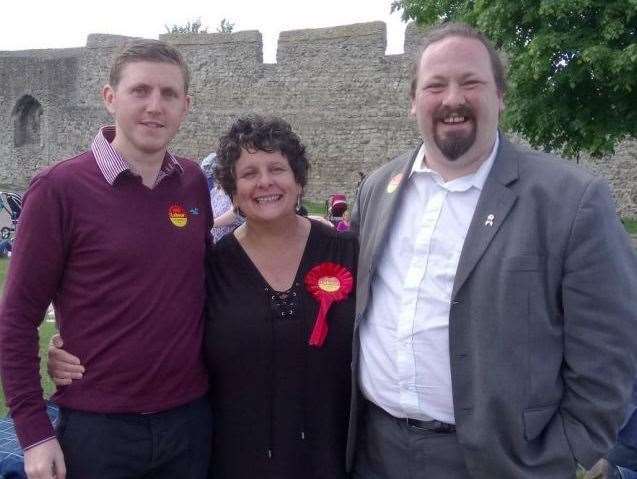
495,203
387,204
381,212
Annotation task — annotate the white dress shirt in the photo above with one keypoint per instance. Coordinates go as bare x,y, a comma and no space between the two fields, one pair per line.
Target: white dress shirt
404,360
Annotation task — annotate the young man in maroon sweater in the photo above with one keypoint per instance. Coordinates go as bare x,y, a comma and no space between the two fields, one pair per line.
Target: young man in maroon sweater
115,237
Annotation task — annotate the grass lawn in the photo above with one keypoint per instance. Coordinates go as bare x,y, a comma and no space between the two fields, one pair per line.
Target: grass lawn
315,207
46,331
631,225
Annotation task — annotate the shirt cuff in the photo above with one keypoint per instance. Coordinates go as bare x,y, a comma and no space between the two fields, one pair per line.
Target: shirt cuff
39,442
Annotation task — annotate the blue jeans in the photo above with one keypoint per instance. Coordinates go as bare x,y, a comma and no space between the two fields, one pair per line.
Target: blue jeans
624,457
168,444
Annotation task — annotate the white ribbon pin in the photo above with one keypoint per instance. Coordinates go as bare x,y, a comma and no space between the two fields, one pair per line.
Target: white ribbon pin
489,221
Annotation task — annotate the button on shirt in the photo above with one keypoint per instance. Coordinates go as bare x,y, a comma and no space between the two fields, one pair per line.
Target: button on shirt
404,362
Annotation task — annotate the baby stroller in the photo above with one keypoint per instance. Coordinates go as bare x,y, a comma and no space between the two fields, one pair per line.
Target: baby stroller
335,206
12,204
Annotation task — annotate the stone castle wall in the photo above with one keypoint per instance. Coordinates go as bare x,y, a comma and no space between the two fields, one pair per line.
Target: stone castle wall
346,99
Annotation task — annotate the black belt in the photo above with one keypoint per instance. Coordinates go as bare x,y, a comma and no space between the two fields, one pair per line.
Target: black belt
433,425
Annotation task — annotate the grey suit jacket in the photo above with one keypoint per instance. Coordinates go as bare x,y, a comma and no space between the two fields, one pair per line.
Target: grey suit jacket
543,322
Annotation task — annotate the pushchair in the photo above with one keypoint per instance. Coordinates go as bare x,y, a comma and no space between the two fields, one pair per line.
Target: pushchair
12,204
335,207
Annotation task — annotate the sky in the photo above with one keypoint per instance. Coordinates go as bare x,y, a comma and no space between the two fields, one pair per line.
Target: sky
37,24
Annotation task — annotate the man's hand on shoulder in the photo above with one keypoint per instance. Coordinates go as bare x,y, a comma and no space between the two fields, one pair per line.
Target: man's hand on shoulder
45,461
62,366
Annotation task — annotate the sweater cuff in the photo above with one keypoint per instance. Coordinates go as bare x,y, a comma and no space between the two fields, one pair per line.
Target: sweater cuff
34,430
41,442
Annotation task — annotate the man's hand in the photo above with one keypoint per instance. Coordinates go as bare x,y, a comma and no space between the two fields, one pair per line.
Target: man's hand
45,461
63,367
598,471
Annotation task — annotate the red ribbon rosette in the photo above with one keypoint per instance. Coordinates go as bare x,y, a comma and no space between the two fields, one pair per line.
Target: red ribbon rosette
327,283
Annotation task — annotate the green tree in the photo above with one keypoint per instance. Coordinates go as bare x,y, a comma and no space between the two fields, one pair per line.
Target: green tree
190,27
572,65
225,26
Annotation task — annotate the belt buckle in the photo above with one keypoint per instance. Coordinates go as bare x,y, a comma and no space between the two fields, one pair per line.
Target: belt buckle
433,425
416,423
443,427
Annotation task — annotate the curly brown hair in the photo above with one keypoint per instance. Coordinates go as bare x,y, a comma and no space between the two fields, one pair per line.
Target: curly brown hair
254,133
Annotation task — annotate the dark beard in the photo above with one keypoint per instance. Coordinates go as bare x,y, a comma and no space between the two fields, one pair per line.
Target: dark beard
454,145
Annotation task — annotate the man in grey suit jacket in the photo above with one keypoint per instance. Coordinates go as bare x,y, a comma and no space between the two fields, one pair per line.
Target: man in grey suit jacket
496,323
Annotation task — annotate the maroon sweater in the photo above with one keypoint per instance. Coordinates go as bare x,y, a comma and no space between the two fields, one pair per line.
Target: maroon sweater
124,267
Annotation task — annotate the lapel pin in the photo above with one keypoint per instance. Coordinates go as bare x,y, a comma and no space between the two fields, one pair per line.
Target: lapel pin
489,221
394,182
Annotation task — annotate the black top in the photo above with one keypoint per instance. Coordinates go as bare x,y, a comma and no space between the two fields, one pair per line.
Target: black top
280,406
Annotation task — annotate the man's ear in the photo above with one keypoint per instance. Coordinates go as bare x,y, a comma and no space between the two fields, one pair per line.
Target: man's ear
188,101
501,103
108,96
412,107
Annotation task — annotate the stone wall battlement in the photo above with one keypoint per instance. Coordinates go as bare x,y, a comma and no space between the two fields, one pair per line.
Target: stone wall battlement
345,97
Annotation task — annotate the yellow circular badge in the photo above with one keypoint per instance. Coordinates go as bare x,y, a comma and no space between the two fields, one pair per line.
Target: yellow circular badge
393,183
177,216
329,283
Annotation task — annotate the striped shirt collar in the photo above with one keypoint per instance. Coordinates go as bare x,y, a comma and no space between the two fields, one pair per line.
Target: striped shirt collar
112,164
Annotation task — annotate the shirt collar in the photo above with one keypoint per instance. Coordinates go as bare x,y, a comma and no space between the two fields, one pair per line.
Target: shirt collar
111,163
475,179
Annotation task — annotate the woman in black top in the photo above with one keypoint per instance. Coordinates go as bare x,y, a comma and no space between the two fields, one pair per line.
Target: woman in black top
280,405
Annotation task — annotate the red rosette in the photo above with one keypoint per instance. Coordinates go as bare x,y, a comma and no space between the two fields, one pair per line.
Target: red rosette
327,283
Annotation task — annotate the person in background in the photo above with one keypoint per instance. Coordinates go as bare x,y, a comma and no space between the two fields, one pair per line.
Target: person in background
343,225
226,219
5,248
